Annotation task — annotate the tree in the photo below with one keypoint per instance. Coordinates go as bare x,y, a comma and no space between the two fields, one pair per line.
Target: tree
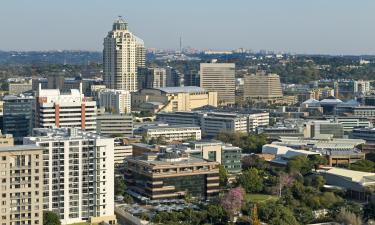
251,181
363,165
254,216
50,218
348,218
233,200
369,210
285,180
318,182
253,161
120,186
223,176
276,214
299,164
216,214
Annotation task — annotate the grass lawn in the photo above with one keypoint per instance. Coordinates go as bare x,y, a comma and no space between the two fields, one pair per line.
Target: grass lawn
257,198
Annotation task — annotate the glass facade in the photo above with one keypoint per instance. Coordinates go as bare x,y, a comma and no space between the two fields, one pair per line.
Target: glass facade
18,119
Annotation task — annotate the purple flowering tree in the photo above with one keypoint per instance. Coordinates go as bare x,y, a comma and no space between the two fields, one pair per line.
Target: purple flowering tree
232,201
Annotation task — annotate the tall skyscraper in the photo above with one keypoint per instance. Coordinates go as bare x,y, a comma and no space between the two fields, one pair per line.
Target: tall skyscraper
78,172
219,77
123,53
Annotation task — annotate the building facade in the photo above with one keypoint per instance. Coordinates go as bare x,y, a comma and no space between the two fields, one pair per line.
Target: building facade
170,133
122,55
115,101
56,109
152,78
78,174
115,125
262,88
220,78
21,175
171,99
18,116
171,176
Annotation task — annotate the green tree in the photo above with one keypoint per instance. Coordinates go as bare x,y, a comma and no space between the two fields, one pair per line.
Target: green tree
363,165
216,214
299,164
50,218
251,181
120,186
276,214
223,176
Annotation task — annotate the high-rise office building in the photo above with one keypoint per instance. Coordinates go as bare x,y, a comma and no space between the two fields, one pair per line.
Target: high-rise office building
175,78
78,171
21,175
56,109
262,87
152,78
115,101
219,77
17,116
123,53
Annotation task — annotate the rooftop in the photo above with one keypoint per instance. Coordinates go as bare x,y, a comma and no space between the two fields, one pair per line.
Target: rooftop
19,148
186,89
355,176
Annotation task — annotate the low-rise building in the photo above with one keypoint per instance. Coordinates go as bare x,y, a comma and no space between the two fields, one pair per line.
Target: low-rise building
172,99
323,128
115,125
121,152
172,175
355,183
212,123
169,133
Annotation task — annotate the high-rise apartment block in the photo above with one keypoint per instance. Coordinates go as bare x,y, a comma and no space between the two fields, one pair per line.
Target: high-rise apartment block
56,109
21,192
18,116
122,55
219,77
262,88
115,101
78,171
152,78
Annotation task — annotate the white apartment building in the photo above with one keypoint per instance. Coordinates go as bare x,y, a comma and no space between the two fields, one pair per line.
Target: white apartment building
115,101
259,120
121,152
21,176
169,133
56,109
78,171
123,53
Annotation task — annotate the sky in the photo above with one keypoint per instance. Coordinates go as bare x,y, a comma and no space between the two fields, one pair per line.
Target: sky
294,26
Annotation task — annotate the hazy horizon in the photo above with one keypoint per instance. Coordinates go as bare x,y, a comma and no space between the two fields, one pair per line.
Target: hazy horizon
314,27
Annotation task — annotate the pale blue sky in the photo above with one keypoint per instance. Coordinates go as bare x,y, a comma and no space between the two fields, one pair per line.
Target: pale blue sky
300,26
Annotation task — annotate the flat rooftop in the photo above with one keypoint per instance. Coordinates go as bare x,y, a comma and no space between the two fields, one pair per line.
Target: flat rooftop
20,148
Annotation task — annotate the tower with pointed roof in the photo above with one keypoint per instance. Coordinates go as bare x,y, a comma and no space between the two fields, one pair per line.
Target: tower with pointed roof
122,55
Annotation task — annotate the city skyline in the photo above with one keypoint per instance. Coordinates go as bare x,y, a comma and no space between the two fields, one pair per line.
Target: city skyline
319,27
